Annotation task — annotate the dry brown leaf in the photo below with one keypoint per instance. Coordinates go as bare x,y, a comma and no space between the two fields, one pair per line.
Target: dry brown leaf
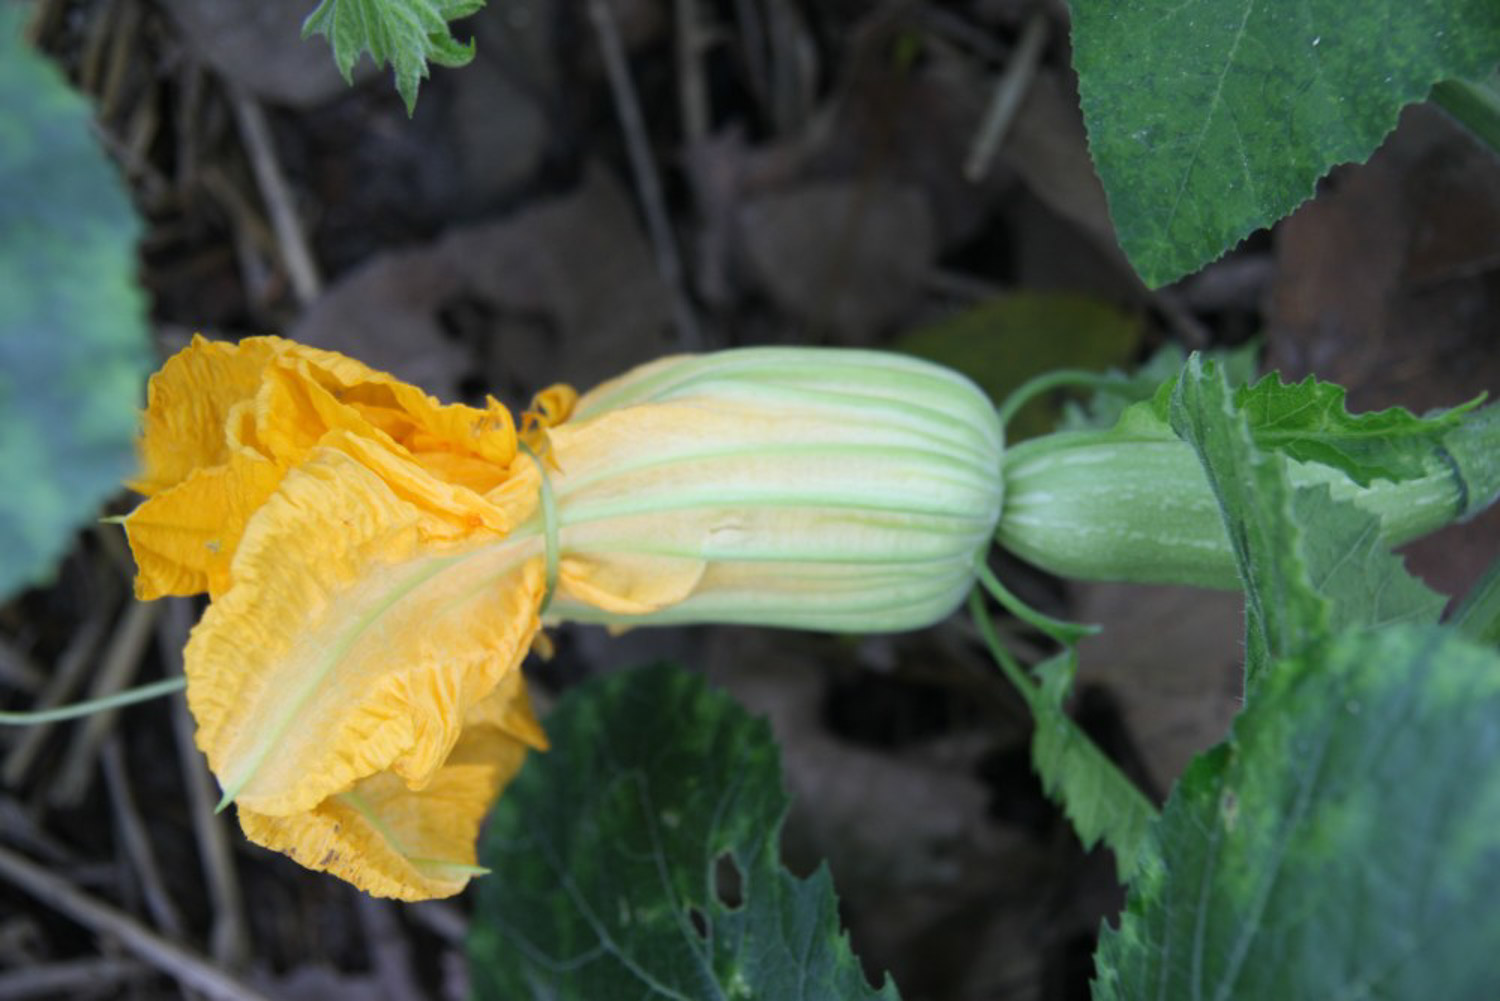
1171,657
259,46
1388,283
564,290
1048,147
846,258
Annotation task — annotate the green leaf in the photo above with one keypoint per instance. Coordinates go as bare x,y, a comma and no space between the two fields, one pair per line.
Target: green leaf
1365,584
1098,799
406,34
1478,617
1210,119
73,345
1308,421
1471,452
1105,407
1004,342
1344,843
1283,612
1310,563
1476,105
611,856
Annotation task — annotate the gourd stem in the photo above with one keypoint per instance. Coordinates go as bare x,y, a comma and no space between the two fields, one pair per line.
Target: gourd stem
550,532
1475,104
1047,382
1009,666
1066,633
129,696
1478,617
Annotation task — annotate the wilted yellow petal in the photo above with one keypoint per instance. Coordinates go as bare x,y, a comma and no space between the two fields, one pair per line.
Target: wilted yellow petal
295,414
553,405
185,537
188,402
392,841
629,583
413,419
549,408
349,644
470,472
508,710
459,508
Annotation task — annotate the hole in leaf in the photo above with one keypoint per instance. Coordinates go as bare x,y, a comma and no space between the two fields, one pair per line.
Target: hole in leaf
700,922
729,884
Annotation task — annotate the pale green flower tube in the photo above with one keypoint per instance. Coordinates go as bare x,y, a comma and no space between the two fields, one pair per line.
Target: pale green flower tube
824,489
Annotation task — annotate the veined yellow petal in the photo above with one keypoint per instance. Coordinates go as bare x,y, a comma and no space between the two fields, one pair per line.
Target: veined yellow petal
548,409
412,418
392,841
629,583
293,412
187,404
185,537
467,471
489,434
190,399
348,644
461,508
508,709
553,405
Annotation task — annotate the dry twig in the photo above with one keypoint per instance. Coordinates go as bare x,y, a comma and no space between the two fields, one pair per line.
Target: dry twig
643,170
116,672
70,979
390,952
296,255
137,843
959,31
76,657
229,942
442,919
43,14
95,39
251,235
1009,91
122,49
189,100
692,92
186,967
17,670
20,828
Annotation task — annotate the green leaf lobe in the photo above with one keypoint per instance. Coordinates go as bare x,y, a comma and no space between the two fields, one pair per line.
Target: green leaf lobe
73,345
609,857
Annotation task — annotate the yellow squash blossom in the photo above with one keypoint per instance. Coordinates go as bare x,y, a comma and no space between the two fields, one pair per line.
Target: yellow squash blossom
378,562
